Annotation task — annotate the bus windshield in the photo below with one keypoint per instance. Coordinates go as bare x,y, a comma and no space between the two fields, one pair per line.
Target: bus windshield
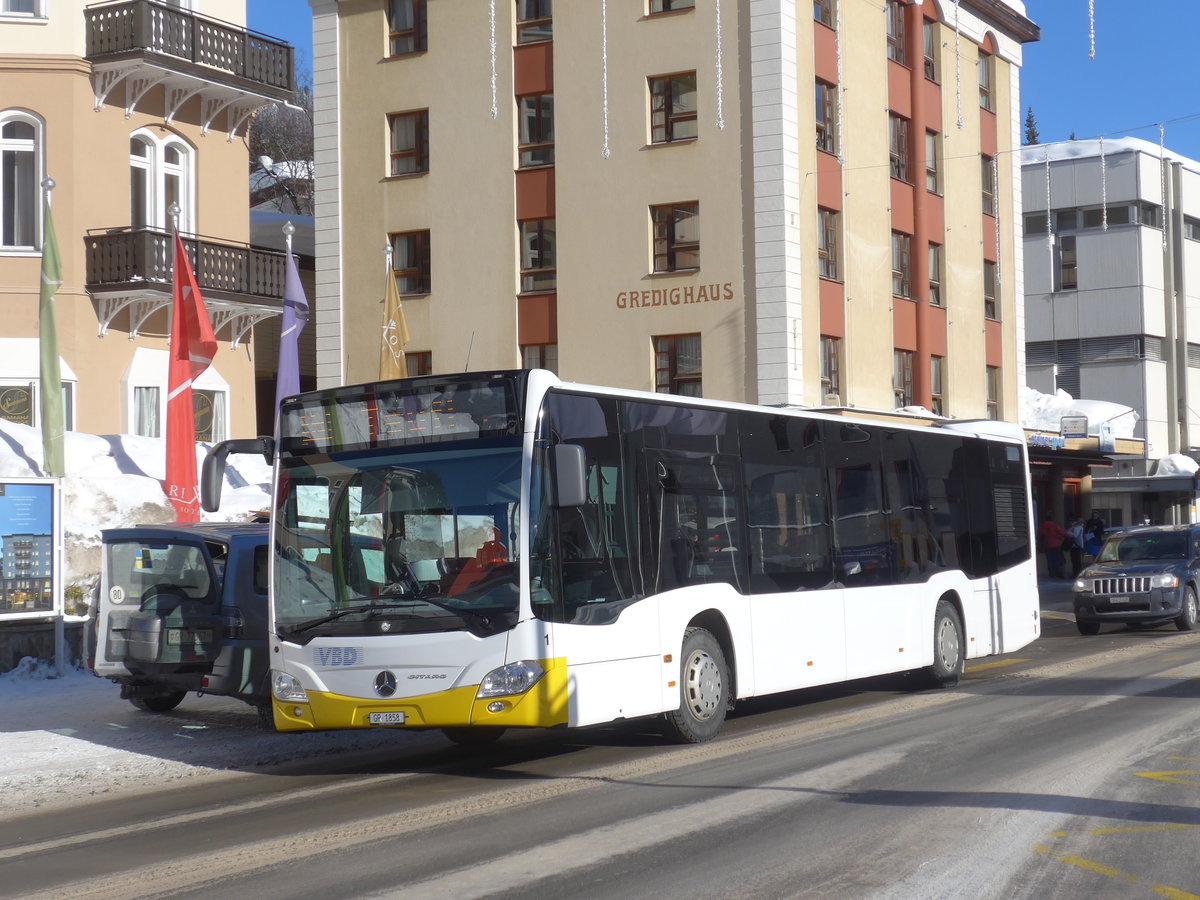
399,541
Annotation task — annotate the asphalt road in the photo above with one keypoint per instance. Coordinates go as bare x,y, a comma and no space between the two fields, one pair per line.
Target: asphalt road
1070,769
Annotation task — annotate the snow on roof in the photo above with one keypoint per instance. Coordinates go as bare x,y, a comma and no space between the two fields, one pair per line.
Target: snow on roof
1044,412
1034,154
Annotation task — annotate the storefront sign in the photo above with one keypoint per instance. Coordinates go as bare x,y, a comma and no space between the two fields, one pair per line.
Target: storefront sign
1052,441
675,296
30,535
1073,426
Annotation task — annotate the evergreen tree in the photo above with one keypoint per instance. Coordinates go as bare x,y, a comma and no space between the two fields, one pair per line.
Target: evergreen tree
1031,130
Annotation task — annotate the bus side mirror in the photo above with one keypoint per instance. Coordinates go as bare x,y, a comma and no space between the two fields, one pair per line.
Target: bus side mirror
212,475
570,475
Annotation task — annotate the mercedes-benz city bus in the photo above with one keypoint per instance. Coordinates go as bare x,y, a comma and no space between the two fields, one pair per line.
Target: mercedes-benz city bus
484,551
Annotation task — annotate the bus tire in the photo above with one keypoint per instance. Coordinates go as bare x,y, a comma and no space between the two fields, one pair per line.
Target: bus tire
1188,615
703,690
160,704
949,659
474,737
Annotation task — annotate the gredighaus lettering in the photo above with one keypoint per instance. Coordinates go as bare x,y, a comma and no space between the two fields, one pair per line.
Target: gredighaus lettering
676,296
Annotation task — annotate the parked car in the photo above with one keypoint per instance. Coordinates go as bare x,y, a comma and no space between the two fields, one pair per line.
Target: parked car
183,608
1145,575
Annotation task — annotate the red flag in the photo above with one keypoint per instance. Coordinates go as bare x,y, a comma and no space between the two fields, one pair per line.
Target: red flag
193,347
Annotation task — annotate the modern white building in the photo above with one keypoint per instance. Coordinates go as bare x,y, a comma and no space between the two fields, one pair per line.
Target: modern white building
1112,300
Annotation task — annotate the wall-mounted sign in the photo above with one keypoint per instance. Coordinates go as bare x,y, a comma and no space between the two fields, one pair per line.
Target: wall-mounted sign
1073,426
16,404
675,296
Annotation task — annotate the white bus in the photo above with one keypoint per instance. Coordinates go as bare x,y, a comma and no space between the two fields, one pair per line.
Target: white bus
494,550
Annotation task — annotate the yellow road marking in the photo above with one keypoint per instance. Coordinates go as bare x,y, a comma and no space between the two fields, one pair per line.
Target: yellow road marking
1061,617
1172,777
1164,890
1129,829
1000,663
1185,758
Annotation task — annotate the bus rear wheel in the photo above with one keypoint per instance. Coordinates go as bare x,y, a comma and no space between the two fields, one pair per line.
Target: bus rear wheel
948,655
703,690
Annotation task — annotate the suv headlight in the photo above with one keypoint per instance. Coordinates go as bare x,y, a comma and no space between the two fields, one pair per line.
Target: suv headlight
1165,580
514,678
286,688
1079,585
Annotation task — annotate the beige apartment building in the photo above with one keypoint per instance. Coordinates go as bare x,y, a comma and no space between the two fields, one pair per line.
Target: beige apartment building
740,200
132,107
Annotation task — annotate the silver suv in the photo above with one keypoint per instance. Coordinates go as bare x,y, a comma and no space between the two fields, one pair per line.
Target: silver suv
1142,576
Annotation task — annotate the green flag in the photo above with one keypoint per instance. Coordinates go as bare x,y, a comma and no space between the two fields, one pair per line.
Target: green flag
51,378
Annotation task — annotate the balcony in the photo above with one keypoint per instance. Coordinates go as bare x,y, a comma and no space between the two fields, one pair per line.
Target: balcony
145,44
130,274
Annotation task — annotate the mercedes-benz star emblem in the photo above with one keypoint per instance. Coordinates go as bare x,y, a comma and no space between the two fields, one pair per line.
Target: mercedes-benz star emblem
385,684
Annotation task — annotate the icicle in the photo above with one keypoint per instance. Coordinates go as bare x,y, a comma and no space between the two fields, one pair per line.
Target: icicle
996,210
492,42
604,70
1103,188
957,67
1091,29
720,73
837,44
1162,165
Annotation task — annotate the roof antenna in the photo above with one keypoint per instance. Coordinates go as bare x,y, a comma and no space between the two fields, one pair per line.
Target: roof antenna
467,364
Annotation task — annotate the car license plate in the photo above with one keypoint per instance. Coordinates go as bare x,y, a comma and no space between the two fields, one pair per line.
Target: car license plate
1118,599
385,718
188,636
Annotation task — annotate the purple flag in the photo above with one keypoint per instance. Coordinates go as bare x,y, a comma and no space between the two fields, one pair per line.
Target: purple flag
295,317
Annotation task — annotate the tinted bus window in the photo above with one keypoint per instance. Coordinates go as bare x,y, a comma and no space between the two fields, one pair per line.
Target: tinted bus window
864,551
787,504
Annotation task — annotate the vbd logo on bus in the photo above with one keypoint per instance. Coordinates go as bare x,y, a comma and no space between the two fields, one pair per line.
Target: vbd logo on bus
339,656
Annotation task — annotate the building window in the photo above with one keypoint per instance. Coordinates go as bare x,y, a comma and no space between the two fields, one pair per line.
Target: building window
828,239
146,412
992,384
677,365
930,41
1149,214
660,6
902,377
208,409
901,265
1068,275
985,80
937,381
673,108
895,32
987,178
1191,228
418,363
410,142
20,177
989,289
410,262
823,11
537,256
676,236
935,275
540,356
160,174
898,132
826,117
406,26
536,119
933,162
831,370
534,22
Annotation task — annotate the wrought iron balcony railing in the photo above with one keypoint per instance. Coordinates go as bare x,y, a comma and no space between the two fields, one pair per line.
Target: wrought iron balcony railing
134,269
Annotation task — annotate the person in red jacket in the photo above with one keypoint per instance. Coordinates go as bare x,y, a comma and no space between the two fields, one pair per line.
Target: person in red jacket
1051,535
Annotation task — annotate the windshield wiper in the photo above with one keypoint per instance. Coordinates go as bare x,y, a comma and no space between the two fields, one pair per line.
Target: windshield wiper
310,624
463,614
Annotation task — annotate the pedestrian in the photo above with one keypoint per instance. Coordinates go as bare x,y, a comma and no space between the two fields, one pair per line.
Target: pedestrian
1051,535
1096,526
1075,548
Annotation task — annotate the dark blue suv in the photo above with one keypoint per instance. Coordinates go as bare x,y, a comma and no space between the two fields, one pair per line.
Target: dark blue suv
1142,576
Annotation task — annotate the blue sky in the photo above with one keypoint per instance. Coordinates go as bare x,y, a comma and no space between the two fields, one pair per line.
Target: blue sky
1068,91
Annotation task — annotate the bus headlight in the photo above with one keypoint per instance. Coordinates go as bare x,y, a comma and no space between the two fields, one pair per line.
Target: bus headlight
515,678
286,688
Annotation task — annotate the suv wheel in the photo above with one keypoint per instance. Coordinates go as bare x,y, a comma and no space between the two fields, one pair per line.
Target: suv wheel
1187,617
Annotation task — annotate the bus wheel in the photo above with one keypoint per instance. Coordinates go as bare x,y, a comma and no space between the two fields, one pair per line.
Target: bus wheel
161,703
1187,618
703,690
473,737
948,658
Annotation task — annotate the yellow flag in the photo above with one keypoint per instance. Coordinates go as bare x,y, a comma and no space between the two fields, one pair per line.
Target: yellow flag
394,334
